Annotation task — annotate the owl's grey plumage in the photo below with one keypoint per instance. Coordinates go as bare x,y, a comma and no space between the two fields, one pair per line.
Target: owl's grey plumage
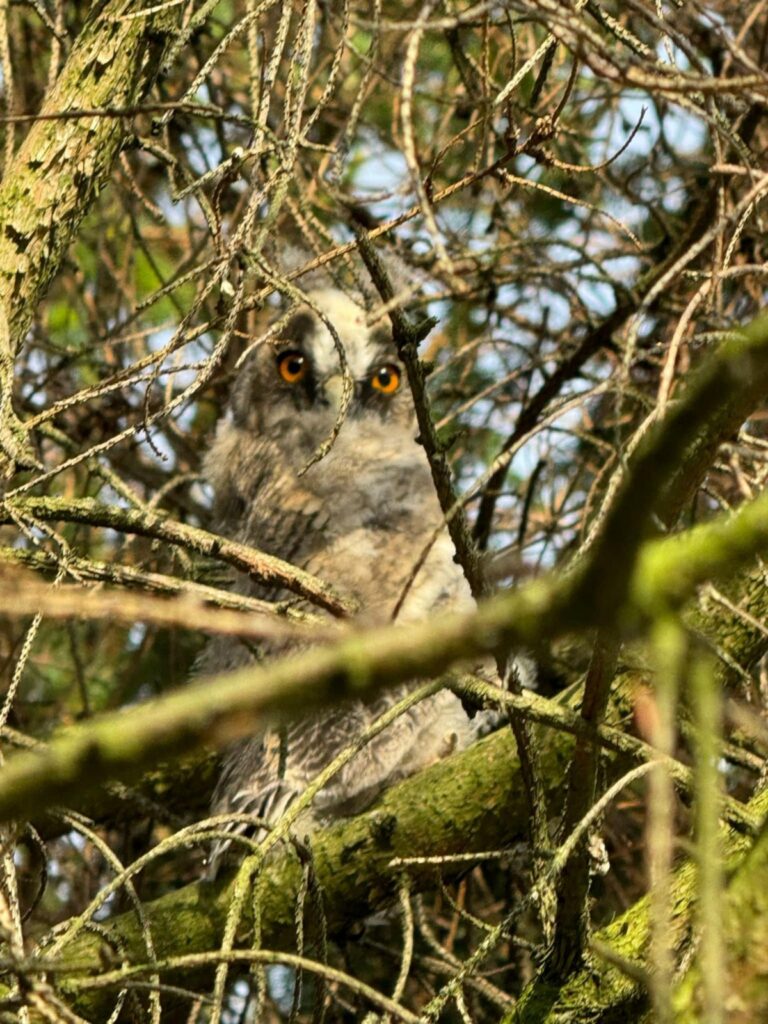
360,518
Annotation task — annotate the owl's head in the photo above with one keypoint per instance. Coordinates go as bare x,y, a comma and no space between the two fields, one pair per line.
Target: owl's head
292,385
270,462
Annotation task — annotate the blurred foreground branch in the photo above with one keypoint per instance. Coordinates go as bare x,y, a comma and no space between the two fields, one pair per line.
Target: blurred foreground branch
216,711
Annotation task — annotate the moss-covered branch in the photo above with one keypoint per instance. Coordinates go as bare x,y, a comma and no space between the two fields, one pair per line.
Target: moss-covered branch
745,942
605,991
216,711
472,801
62,165
733,377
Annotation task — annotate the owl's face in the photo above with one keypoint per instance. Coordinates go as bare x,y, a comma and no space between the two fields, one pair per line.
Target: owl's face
291,389
359,512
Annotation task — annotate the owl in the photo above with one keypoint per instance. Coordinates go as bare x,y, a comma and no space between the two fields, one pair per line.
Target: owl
361,518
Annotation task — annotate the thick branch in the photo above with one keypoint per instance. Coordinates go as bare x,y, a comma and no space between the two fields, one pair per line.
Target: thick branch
62,165
216,711
745,941
572,916
470,802
602,992
739,365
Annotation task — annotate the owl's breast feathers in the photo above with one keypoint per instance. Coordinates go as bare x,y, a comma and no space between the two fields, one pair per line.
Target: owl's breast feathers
365,518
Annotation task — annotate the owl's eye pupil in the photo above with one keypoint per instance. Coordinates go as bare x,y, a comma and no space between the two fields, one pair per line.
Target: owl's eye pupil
292,366
386,379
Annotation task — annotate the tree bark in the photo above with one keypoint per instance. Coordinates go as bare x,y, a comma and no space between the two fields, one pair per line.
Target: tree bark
60,168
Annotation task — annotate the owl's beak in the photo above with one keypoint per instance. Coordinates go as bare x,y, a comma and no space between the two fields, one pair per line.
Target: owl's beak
333,389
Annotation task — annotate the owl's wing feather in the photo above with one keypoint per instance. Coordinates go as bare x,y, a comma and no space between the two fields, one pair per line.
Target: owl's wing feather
251,783
264,776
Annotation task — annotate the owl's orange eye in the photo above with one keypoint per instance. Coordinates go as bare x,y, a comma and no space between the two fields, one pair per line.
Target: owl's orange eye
292,366
386,379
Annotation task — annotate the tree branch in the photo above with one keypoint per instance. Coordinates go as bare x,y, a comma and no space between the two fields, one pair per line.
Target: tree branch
263,568
218,710
60,168
606,990
470,802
